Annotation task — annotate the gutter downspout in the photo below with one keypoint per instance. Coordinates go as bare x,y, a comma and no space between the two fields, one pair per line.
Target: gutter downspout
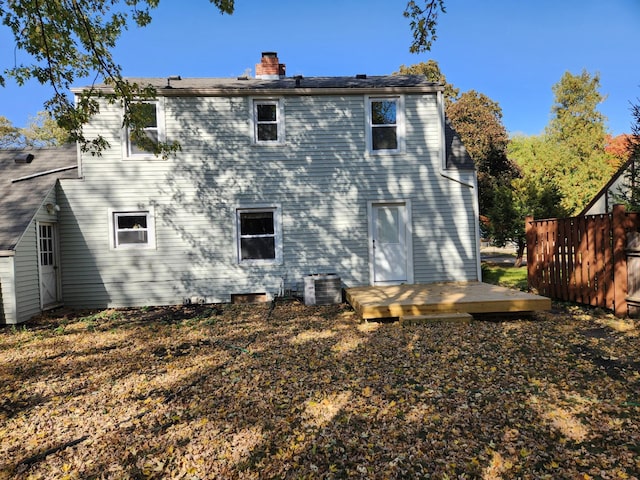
472,185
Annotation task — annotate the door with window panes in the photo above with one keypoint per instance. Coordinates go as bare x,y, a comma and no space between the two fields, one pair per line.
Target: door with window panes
390,244
48,265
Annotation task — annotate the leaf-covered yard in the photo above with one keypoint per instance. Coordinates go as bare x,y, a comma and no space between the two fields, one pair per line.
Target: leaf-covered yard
311,392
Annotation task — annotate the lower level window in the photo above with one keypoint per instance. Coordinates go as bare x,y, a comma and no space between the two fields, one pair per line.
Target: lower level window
133,229
258,235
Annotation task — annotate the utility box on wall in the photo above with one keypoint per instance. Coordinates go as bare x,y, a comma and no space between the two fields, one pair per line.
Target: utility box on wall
322,289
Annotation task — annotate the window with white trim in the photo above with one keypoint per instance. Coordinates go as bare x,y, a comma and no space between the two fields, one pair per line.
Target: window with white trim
268,124
385,119
133,229
259,235
148,115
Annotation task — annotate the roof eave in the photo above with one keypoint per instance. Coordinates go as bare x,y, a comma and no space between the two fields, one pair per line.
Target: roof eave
233,92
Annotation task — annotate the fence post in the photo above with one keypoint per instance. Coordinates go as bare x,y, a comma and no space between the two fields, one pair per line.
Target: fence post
618,219
530,236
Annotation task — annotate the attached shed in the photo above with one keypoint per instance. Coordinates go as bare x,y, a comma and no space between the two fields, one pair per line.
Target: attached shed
30,277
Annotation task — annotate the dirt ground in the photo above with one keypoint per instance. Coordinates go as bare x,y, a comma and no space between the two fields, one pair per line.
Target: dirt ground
283,390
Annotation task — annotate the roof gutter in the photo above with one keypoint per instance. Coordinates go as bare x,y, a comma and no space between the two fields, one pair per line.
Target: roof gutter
227,92
42,174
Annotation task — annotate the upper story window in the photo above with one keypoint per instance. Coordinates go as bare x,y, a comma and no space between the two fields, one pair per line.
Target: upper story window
149,116
132,229
259,235
268,121
385,119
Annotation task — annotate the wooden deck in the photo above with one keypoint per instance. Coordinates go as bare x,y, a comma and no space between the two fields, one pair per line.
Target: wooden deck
403,301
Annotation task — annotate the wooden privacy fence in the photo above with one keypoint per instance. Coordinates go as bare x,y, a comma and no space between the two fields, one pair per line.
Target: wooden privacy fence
584,259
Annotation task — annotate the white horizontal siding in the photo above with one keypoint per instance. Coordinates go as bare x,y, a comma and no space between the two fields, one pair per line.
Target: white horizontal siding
19,274
322,178
26,275
7,291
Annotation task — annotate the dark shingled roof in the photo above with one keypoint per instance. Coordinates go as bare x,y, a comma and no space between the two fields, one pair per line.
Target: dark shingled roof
185,85
20,200
457,155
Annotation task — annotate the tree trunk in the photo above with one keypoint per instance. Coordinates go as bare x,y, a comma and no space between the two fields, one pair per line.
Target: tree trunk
520,253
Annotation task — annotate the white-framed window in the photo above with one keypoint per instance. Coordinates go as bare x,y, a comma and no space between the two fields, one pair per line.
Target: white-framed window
132,229
385,124
259,235
150,114
268,121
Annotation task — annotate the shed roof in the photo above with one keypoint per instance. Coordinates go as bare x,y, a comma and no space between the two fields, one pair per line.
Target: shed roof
24,185
457,155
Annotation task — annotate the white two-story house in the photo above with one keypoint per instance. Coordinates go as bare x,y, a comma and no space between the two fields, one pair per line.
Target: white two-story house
277,178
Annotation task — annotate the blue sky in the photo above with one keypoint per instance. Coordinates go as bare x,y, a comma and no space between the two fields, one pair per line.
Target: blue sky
513,51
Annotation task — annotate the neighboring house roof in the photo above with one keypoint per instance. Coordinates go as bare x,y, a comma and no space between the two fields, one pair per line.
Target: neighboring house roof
25,184
287,85
603,194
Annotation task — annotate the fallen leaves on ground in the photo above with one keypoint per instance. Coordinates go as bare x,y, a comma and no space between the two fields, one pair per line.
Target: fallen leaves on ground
253,391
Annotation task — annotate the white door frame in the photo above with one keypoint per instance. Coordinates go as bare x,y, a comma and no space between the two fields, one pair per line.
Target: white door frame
408,236
55,265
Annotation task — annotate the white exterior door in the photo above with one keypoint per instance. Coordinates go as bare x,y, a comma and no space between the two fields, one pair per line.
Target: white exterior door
390,244
48,264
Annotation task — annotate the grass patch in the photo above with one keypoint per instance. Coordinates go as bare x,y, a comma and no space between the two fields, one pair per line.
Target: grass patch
505,275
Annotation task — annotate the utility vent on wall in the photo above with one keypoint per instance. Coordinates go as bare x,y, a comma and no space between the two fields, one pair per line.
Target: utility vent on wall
23,158
322,289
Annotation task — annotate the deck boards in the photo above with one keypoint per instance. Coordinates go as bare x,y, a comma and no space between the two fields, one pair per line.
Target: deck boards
423,299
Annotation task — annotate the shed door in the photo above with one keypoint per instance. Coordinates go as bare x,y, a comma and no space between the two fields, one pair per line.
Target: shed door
389,243
48,259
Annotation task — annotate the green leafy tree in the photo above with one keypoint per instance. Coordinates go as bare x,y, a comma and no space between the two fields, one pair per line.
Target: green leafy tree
478,121
43,131
537,159
71,40
535,191
67,41
423,18
431,70
578,134
9,135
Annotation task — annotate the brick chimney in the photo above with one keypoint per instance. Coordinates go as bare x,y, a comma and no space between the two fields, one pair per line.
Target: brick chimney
269,67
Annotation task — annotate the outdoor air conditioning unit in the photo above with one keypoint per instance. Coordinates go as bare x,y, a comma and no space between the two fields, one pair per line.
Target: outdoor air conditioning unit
322,289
